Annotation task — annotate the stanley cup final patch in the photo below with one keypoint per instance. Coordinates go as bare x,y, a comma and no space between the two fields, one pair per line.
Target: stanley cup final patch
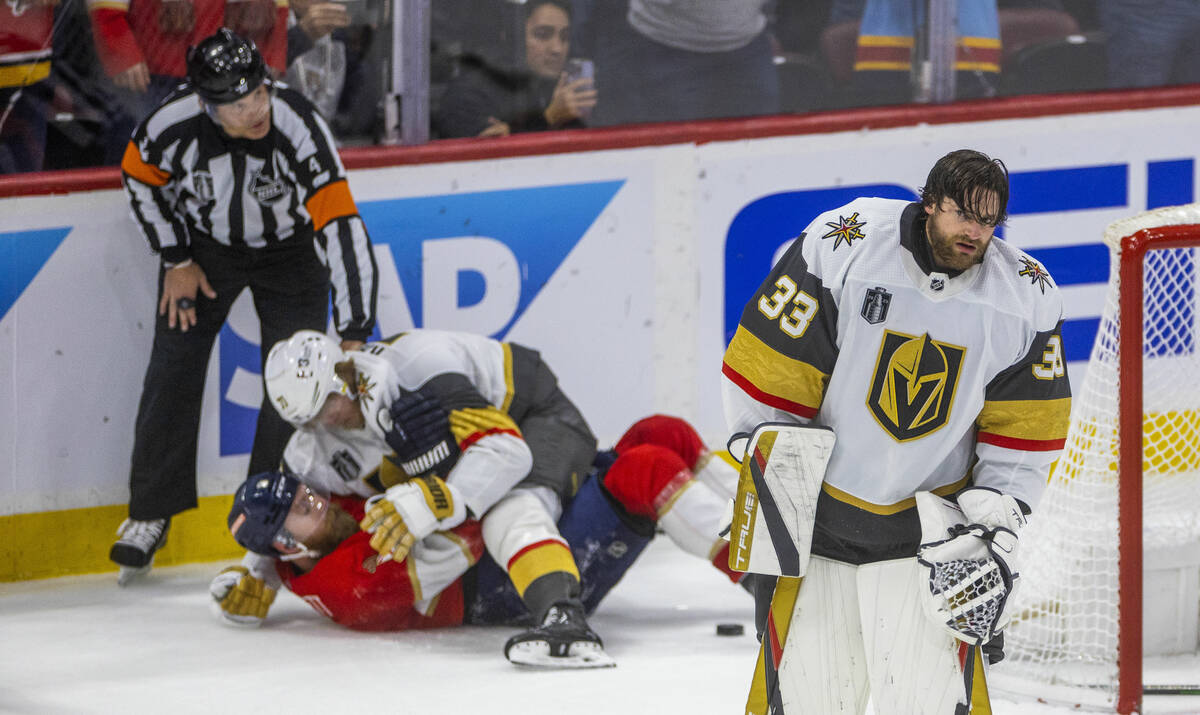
202,186
875,305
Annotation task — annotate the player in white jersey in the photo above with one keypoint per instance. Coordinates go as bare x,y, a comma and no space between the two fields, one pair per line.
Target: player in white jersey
933,351
453,426
659,476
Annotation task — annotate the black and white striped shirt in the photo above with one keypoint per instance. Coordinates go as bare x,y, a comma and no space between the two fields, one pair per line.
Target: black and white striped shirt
187,181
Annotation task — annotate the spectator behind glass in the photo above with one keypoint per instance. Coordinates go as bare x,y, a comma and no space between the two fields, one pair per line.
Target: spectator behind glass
1151,42
25,86
335,60
142,43
488,101
661,60
316,52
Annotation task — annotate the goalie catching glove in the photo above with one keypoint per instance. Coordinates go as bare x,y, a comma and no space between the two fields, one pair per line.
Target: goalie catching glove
973,573
243,594
419,433
409,512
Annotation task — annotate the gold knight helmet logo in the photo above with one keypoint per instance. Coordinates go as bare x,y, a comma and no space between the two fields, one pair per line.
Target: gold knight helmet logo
912,390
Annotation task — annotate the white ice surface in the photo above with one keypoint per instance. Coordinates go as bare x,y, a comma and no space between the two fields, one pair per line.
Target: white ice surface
82,645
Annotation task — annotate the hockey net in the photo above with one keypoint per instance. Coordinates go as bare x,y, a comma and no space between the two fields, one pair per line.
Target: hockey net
1125,486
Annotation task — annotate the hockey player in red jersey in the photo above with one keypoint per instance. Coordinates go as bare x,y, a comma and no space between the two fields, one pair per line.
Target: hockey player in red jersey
659,475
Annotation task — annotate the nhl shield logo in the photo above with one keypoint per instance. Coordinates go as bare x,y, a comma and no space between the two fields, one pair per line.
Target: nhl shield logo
912,390
875,305
267,189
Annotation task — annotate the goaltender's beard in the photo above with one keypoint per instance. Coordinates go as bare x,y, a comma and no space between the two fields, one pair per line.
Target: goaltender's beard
956,241
954,252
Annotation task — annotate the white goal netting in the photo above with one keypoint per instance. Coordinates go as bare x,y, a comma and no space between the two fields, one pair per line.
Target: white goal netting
1063,643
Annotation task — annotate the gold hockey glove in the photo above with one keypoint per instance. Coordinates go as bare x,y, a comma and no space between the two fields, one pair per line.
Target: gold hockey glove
241,598
409,512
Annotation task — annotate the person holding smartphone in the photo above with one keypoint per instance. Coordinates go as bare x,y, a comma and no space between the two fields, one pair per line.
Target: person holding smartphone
548,92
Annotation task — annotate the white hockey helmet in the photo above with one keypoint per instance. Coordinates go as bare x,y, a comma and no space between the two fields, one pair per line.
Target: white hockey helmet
300,375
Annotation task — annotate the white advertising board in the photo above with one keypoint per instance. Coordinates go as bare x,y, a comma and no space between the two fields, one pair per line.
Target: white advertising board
556,253
627,268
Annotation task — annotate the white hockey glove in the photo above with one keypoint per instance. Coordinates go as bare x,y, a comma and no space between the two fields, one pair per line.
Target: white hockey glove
970,552
243,594
409,512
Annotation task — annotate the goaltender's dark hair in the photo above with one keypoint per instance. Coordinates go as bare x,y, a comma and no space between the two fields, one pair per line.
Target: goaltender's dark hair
965,175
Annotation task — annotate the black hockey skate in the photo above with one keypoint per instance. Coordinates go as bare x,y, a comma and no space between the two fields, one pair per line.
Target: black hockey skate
563,640
136,545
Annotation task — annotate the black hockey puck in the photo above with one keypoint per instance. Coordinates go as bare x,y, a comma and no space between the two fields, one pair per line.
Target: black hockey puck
730,629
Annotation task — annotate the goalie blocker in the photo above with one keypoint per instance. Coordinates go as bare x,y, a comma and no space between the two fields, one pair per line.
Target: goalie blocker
783,466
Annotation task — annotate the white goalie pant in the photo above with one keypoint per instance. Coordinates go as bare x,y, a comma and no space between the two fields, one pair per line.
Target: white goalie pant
860,632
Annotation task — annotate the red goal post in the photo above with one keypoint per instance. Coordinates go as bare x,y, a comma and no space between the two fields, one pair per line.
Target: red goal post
1126,491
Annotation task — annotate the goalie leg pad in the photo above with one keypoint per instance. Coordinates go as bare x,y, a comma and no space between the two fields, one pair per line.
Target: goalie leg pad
914,664
776,503
823,665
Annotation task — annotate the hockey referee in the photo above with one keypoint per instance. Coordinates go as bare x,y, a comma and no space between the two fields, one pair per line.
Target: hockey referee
236,183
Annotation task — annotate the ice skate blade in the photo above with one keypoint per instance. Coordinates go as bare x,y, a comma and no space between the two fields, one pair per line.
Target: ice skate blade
129,574
583,654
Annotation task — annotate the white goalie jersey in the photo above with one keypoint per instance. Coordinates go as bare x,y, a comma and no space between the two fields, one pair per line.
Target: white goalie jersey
928,379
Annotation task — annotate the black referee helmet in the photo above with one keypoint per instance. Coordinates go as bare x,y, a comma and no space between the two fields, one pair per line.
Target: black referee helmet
224,67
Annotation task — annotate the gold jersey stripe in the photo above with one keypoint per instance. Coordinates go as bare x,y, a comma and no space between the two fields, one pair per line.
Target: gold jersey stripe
462,545
771,374
24,75
1038,420
889,509
537,560
887,66
412,579
885,41
985,43
976,66
471,421
509,386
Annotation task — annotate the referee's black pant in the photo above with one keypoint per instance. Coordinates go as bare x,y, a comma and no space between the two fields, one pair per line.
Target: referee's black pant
290,288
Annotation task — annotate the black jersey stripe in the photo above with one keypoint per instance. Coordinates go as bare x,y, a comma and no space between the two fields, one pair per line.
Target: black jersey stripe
236,225
345,237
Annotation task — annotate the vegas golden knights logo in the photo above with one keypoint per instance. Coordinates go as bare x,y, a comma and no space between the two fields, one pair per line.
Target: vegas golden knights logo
912,390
